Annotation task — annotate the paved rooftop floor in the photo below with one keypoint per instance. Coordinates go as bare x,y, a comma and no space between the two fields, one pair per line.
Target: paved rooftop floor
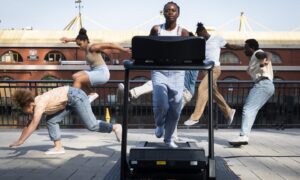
271,154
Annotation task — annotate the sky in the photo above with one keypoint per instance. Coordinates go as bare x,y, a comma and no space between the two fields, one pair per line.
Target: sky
121,15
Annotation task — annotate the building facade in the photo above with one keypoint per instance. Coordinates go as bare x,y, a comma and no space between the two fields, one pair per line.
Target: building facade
39,55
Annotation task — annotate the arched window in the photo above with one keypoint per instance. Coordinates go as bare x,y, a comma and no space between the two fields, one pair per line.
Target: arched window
229,58
5,78
49,77
11,57
54,56
276,58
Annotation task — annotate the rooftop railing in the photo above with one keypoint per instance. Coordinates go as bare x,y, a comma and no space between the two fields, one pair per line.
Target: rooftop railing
281,111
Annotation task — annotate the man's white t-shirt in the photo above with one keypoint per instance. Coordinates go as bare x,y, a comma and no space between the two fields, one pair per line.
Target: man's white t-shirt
255,71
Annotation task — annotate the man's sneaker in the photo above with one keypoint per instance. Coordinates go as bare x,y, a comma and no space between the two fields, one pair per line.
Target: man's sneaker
190,122
121,89
159,131
118,132
171,144
231,116
241,140
55,151
93,96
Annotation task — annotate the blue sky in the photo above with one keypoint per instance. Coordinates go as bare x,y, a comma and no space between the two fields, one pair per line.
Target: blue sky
277,15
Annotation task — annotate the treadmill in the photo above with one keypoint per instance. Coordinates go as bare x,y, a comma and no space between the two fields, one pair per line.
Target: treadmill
152,160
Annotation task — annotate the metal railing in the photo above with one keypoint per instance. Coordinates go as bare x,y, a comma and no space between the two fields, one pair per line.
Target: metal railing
282,110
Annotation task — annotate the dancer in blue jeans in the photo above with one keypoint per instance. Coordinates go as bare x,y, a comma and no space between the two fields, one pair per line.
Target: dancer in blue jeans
56,104
261,71
167,85
190,78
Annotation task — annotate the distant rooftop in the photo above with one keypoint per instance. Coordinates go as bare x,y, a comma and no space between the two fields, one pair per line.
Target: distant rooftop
47,38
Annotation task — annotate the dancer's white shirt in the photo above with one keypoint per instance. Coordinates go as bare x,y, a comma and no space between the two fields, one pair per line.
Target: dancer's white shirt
255,71
213,48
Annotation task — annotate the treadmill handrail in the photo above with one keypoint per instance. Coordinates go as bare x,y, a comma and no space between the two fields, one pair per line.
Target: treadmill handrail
129,64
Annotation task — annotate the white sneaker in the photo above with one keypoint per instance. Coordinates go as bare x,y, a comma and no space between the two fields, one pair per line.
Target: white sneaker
121,89
231,116
118,132
93,96
241,140
190,122
176,138
171,144
55,151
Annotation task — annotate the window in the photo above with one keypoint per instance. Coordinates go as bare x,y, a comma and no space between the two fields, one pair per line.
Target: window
11,57
49,77
5,78
276,58
229,58
54,56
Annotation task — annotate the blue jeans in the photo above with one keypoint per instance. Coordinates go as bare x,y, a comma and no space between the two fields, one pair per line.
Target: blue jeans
79,103
258,96
190,79
167,99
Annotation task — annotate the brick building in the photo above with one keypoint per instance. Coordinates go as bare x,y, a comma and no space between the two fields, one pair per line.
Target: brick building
36,55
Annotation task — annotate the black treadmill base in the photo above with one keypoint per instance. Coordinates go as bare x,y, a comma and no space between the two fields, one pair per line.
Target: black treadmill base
154,157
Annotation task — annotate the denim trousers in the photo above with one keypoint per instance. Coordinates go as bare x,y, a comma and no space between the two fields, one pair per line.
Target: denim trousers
167,100
79,104
258,96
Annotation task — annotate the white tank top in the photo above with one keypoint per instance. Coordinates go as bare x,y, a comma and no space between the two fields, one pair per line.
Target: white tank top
163,32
